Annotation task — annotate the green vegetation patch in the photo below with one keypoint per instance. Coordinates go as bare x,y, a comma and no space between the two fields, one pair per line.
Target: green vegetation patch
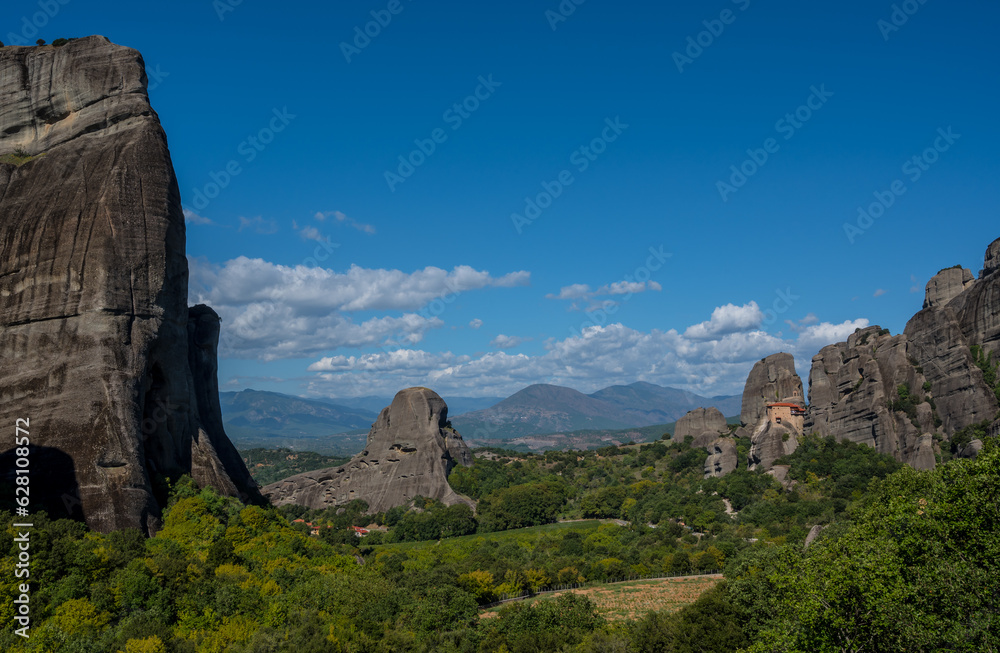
18,157
270,465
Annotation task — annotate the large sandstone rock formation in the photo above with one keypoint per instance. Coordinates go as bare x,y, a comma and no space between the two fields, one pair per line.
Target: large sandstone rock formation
771,379
854,386
722,458
770,442
705,425
409,453
97,345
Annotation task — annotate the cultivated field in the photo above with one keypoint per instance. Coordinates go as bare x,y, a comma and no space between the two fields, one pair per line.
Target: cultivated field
631,600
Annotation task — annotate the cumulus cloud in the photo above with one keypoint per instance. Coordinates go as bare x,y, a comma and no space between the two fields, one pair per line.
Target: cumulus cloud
727,319
339,218
273,311
593,358
817,336
476,323
258,225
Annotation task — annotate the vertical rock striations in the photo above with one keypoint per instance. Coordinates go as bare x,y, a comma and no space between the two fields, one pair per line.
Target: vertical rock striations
705,425
409,452
772,380
98,347
894,392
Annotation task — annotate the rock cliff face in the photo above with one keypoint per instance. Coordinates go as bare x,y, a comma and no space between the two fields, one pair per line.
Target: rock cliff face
705,425
854,386
409,453
771,441
770,380
99,349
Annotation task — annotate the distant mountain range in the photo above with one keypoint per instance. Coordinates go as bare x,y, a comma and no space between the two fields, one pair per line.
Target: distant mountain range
375,404
256,418
543,409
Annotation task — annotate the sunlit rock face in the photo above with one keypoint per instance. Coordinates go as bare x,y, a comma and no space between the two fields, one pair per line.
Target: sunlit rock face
98,348
409,452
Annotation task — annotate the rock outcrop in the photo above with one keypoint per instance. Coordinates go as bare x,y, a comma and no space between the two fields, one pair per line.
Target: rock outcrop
98,348
722,458
705,425
894,392
771,442
852,386
770,380
409,452
946,285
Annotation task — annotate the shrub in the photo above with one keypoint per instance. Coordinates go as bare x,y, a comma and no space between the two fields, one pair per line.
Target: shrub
60,42
40,42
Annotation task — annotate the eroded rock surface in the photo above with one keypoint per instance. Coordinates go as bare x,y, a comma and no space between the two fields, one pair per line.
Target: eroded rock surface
722,458
946,285
409,453
705,425
855,386
770,380
97,348
770,442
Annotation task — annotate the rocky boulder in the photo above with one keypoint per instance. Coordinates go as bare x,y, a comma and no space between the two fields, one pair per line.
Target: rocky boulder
771,379
895,392
770,442
409,452
97,346
978,309
722,458
946,285
991,262
853,386
705,425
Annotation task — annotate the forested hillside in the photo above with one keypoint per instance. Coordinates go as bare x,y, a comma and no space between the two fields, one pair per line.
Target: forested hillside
908,562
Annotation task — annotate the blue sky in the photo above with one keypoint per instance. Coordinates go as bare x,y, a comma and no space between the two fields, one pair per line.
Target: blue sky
335,280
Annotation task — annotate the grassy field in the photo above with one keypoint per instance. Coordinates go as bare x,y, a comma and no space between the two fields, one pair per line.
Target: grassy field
631,600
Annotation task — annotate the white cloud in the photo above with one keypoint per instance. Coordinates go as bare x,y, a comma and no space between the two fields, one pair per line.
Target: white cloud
621,288
582,291
476,323
273,311
594,358
576,291
880,292
309,232
191,217
817,336
258,225
507,342
340,218
727,319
